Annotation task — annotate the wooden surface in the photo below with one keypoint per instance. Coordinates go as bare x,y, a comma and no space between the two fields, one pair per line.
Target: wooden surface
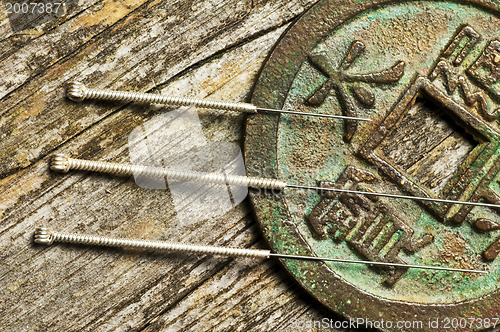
207,49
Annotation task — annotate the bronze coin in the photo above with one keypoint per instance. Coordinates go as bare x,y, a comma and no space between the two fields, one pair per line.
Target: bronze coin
427,73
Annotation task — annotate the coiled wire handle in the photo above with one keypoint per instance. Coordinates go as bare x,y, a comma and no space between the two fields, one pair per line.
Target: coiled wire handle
47,237
78,92
63,163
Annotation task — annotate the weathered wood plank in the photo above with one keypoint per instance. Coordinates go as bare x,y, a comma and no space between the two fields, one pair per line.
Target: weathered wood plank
244,296
141,51
26,57
212,49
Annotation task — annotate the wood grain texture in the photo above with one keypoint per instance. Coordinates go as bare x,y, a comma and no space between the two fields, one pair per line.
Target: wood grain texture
430,147
207,49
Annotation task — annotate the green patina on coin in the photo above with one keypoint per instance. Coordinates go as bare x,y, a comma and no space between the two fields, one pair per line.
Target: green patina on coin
428,75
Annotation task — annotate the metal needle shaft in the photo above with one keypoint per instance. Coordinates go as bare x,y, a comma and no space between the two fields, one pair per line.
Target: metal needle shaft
416,198
351,261
79,92
313,114
47,237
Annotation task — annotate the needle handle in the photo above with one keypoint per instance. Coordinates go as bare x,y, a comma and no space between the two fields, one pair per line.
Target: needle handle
79,92
47,237
63,163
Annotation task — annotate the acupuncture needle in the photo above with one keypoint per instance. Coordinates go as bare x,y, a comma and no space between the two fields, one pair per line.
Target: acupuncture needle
63,163
78,92
45,236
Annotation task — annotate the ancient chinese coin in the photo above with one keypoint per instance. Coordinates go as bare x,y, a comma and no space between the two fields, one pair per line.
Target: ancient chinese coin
427,73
